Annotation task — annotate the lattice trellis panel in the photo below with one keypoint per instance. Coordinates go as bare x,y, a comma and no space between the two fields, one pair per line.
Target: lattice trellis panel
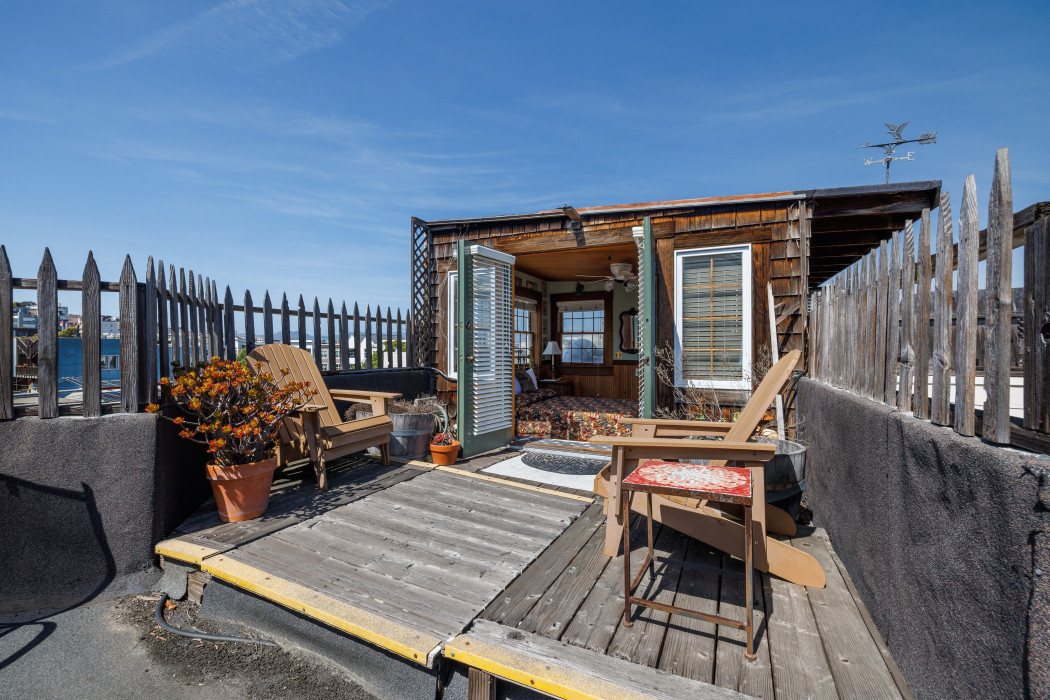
423,279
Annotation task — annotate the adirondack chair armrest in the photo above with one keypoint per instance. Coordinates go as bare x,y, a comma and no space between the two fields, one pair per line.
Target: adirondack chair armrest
677,448
378,399
681,428
309,408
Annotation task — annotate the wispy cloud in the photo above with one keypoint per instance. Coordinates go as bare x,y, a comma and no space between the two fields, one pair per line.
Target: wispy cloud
257,32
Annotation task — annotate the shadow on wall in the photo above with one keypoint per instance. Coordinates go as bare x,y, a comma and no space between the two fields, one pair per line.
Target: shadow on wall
80,531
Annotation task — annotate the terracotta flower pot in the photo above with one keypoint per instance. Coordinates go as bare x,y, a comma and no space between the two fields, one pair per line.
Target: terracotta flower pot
242,492
445,454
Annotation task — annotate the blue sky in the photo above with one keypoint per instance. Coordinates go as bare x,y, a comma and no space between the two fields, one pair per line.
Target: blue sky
283,145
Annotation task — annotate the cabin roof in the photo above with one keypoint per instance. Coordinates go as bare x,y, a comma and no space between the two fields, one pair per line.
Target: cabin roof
847,221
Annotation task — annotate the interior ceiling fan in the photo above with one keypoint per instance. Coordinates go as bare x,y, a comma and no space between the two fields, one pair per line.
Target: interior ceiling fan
619,272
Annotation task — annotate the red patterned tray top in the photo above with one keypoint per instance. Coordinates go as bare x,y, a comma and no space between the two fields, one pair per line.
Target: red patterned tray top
731,481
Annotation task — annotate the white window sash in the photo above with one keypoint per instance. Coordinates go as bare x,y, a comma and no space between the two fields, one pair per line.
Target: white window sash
744,382
450,344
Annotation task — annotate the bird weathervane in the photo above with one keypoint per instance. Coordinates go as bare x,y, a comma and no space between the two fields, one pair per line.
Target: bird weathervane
889,148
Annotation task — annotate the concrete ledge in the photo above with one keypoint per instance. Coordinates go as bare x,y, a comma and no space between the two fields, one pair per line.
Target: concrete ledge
938,533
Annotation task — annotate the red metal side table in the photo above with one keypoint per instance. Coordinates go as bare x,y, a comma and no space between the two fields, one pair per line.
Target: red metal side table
722,484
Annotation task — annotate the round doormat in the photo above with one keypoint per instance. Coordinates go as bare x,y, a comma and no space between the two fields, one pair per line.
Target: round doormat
563,464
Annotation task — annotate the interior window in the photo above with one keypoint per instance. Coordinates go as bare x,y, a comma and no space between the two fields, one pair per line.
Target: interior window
713,317
524,331
582,332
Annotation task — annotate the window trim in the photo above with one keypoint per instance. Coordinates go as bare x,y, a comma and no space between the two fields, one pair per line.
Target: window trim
607,335
746,283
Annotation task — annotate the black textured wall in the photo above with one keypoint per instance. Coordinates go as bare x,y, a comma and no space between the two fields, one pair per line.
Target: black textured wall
943,536
83,501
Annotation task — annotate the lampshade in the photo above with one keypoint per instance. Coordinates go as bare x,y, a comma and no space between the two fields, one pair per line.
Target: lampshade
551,349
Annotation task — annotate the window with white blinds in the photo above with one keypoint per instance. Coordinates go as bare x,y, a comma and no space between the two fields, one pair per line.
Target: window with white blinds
713,317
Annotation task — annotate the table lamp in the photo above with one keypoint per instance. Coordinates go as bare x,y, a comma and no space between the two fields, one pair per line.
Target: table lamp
553,350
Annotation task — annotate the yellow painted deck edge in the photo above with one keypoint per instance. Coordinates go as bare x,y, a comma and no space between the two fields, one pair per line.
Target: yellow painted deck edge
412,644
494,479
184,551
542,675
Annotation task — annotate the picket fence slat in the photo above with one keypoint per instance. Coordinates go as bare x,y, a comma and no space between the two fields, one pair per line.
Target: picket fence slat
995,424
966,311
344,343
1037,319
249,321
47,338
129,350
163,328
317,334
922,318
7,369
907,341
893,321
400,354
286,323
332,338
368,336
149,388
357,337
940,404
91,339
267,319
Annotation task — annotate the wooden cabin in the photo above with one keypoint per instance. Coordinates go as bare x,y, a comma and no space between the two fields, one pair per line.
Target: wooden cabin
612,285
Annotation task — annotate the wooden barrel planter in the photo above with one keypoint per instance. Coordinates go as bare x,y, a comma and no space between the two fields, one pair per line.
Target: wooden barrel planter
410,437
786,475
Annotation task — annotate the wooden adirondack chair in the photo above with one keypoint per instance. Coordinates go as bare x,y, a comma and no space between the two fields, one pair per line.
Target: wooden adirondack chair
317,429
663,439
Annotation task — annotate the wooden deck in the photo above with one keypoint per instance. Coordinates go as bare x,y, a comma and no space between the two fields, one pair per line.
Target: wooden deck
509,577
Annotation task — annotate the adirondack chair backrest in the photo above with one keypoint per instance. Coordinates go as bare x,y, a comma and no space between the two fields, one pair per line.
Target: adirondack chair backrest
301,368
775,380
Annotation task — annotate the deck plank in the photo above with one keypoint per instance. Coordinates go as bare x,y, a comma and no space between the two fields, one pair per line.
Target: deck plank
514,604
601,613
853,656
641,642
564,671
732,670
520,509
556,607
689,646
800,668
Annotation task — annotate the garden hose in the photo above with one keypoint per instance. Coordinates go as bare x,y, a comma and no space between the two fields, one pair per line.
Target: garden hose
159,614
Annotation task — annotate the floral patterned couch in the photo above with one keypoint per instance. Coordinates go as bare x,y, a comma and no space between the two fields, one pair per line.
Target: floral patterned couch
543,414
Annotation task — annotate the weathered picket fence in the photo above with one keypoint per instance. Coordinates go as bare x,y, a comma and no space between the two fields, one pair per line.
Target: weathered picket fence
177,318
871,329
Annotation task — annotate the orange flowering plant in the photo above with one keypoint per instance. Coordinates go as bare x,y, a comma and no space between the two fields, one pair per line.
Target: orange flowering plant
234,411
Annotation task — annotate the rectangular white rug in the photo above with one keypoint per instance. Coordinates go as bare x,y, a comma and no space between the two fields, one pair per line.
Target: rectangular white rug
516,467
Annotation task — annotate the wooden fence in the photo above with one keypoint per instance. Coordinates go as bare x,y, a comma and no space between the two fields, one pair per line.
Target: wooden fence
179,318
880,330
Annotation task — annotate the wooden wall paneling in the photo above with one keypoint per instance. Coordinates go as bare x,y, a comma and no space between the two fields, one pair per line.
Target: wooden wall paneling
881,327
760,266
665,285
999,300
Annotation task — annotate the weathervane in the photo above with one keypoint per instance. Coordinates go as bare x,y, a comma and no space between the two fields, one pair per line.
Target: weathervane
889,148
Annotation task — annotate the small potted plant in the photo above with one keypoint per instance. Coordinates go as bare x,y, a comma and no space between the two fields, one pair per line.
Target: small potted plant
237,414
444,449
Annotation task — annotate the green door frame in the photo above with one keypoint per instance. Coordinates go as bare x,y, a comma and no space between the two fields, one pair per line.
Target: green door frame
646,319
475,444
